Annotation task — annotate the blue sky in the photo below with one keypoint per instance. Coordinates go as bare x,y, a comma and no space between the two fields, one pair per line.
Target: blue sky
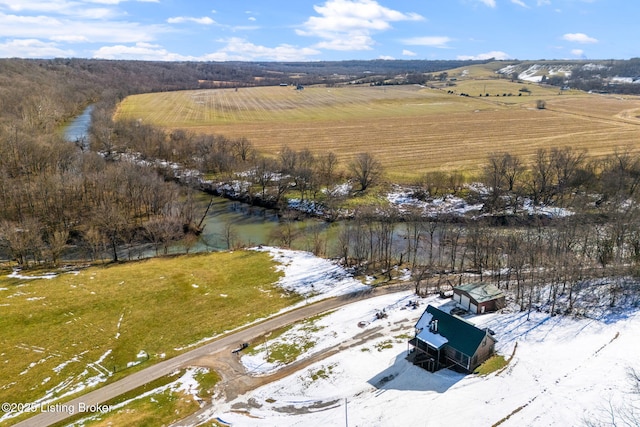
316,30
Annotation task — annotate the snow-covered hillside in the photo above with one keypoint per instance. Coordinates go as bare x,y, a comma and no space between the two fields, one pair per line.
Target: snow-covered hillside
564,372
536,72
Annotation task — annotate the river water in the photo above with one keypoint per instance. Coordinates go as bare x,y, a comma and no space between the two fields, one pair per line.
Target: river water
78,128
227,223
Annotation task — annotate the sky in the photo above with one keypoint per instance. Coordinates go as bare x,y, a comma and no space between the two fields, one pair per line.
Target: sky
319,30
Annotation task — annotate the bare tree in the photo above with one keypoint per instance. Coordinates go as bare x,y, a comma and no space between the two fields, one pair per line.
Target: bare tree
162,230
57,242
286,231
243,149
229,234
112,223
366,170
326,167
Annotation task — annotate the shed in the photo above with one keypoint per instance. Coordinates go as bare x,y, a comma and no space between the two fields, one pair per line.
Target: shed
443,341
479,298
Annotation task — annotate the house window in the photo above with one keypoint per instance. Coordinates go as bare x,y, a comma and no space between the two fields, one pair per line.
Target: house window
462,358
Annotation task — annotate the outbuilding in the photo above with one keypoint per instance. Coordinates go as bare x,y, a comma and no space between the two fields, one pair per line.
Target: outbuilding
446,341
479,298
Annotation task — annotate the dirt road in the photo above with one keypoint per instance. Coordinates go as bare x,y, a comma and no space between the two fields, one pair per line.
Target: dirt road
190,358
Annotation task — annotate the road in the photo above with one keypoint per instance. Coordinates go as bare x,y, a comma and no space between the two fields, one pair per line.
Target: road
166,367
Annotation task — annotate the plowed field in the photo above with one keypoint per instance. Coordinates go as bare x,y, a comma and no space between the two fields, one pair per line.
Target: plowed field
410,129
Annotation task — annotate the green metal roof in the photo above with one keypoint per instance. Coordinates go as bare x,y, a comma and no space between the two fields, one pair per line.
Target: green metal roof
461,335
481,292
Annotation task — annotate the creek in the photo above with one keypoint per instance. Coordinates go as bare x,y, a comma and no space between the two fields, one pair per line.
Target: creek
78,128
227,222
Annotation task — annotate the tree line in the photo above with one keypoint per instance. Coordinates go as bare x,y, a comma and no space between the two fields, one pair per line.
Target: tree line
56,196
542,259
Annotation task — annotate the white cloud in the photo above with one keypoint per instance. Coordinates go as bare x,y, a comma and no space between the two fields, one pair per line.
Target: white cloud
350,24
577,52
433,41
406,52
238,49
45,27
245,28
70,38
579,38
490,3
386,58
205,20
496,54
79,8
140,51
95,13
352,42
520,3
32,48
41,6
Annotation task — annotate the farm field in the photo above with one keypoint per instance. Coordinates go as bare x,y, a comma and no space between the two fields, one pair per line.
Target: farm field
410,129
64,334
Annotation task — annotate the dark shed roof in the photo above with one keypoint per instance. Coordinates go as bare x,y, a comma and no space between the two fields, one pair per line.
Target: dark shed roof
461,335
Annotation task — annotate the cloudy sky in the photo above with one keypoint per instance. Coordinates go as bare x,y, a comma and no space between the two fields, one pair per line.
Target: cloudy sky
314,30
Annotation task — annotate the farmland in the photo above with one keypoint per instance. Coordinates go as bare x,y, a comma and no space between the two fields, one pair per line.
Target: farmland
411,129
74,331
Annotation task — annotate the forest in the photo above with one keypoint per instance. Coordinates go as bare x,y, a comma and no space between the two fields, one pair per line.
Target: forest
57,197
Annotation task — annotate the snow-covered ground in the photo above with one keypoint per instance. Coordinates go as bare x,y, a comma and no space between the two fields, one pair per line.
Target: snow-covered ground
564,372
404,200
310,276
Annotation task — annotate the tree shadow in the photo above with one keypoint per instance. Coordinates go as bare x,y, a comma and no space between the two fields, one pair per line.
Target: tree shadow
403,375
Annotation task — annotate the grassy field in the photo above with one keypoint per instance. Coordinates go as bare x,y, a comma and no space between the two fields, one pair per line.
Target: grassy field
411,129
63,334
160,402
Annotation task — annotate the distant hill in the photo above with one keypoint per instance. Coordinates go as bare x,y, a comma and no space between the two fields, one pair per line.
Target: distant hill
612,76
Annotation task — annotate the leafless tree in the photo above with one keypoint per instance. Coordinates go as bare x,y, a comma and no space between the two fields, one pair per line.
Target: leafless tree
56,243
243,149
366,170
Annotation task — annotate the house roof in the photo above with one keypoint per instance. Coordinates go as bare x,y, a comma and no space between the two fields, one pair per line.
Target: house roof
458,333
480,292
435,340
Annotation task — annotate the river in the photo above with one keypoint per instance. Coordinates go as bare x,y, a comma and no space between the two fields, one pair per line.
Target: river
78,128
227,223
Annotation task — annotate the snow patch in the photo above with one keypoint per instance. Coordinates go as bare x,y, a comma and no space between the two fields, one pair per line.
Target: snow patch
310,276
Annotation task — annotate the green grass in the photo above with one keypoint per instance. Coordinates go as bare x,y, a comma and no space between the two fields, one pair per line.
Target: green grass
157,306
286,344
493,364
162,406
323,373
207,381
384,345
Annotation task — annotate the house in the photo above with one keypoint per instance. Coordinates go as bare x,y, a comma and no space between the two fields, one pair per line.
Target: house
479,298
446,341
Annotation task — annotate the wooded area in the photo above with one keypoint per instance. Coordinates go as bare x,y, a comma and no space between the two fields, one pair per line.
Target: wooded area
54,193
123,191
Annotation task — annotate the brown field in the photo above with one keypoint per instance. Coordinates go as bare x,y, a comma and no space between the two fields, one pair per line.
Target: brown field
410,129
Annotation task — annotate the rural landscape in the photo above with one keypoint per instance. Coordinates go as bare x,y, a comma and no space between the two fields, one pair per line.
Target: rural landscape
255,244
